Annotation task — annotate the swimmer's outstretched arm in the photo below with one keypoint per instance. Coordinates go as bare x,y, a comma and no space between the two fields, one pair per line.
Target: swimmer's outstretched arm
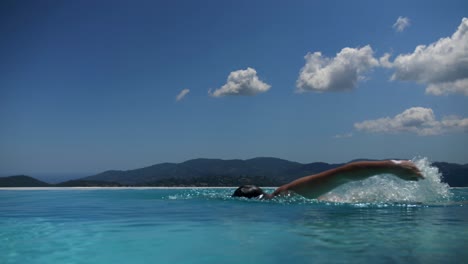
316,185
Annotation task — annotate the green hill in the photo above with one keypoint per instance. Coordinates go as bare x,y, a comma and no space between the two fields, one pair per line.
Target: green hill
217,172
21,181
277,170
261,171
85,183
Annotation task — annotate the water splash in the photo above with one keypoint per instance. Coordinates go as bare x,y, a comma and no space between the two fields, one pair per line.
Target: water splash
202,193
390,189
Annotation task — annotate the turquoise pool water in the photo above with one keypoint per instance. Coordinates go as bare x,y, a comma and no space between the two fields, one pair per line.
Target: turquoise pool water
370,222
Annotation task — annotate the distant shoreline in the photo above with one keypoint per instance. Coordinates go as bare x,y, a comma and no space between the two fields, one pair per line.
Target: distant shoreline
217,173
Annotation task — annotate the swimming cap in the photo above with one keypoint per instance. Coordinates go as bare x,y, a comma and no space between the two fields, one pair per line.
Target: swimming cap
248,191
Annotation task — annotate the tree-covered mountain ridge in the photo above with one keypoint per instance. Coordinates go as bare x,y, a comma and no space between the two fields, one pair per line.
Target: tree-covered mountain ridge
262,171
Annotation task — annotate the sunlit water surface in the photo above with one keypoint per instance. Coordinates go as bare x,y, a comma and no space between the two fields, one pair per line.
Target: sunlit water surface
380,220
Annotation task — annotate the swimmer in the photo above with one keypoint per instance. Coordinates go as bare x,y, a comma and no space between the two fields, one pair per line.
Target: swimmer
313,186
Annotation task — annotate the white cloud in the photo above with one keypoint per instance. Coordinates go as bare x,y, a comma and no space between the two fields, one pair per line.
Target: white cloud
457,86
347,135
442,65
385,61
417,120
401,24
242,82
455,122
340,73
182,94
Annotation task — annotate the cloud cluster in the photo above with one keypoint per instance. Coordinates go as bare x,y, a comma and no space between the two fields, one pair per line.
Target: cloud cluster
182,94
417,120
442,65
242,82
340,73
401,24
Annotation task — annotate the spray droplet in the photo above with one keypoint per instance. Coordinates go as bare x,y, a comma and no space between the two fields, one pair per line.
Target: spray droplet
390,189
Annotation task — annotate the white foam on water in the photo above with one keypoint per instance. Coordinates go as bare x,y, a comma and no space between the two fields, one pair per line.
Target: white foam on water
387,188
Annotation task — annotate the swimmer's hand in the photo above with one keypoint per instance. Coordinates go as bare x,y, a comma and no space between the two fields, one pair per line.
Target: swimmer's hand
407,170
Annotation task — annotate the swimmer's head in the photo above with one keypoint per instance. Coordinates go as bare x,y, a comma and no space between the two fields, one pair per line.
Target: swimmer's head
249,191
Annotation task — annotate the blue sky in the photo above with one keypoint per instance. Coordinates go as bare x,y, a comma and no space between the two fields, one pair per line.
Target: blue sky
87,86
